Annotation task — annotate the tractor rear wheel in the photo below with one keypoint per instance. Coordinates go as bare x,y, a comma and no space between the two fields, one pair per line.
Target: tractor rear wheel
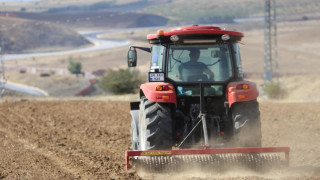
247,124
155,125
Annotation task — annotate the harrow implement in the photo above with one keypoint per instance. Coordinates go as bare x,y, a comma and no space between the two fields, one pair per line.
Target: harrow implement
255,158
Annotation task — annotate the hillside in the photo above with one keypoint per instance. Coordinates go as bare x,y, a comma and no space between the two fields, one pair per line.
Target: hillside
298,55
222,11
179,12
74,5
20,36
97,19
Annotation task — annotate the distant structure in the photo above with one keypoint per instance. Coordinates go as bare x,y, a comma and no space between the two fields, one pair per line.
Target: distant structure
271,64
2,75
6,14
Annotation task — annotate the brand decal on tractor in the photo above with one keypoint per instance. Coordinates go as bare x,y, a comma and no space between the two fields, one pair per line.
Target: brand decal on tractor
158,153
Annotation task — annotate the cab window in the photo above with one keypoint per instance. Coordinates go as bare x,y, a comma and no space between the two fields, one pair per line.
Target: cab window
157,58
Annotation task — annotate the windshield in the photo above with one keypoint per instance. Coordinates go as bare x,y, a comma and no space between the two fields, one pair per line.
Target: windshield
194,63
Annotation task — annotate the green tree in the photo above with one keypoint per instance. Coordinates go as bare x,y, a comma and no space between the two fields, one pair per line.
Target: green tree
275,91
122,81
74,67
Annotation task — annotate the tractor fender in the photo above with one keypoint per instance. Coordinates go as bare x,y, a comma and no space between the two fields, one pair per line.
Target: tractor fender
135,118
240,95
134,111
149,91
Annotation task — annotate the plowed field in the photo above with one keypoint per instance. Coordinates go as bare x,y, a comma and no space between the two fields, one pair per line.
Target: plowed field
87,139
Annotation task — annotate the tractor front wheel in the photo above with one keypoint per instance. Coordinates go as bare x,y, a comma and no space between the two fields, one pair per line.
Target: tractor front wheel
155,125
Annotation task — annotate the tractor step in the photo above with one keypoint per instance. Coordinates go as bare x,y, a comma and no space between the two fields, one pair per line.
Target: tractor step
209,159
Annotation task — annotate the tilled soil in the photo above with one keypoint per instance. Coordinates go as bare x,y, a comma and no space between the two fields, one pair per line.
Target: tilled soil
87,139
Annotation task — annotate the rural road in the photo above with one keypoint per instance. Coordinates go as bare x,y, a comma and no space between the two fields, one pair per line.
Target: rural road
25,89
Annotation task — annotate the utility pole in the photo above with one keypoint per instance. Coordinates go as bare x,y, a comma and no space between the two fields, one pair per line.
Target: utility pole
271,64
2,75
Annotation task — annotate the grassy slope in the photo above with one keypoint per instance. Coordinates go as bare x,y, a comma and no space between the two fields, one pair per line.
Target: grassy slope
211,11
41,6
24,36
190,11
297,43
206,9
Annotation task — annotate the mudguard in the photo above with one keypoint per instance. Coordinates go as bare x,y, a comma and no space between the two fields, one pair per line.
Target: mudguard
239,95
134,111
135,119
150,92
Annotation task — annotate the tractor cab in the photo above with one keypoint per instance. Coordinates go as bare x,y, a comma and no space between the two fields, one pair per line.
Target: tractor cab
191,55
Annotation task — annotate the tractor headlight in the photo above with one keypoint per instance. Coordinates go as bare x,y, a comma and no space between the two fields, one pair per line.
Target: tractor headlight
225,37
174,38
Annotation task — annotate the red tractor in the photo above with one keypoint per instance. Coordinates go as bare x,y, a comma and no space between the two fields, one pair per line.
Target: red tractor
196,101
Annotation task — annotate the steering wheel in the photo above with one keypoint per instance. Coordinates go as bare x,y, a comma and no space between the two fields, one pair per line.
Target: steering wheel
200,77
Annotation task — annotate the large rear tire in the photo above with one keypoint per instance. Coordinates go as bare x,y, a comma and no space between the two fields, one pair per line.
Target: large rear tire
247,124
155,125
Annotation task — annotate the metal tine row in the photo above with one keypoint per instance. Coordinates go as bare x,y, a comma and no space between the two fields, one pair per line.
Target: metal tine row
210,163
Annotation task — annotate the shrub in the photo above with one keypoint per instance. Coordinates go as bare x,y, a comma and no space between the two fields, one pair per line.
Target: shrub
122,81
275,91
74,67
22,71
45,74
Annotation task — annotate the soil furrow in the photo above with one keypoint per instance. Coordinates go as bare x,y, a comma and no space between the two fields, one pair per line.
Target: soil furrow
87,140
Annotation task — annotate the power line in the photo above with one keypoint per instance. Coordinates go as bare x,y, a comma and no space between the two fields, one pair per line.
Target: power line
271,64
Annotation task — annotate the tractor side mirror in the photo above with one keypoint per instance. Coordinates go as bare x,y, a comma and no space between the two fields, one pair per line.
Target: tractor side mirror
132,58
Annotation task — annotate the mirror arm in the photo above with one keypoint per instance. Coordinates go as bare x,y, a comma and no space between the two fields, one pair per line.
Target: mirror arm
141,48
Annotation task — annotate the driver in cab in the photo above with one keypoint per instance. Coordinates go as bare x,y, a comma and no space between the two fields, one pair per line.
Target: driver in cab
194,70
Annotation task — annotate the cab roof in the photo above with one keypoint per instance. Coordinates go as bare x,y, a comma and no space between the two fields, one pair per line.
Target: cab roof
197,30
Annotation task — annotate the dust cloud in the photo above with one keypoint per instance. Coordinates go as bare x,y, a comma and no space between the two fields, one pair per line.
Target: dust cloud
197,174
